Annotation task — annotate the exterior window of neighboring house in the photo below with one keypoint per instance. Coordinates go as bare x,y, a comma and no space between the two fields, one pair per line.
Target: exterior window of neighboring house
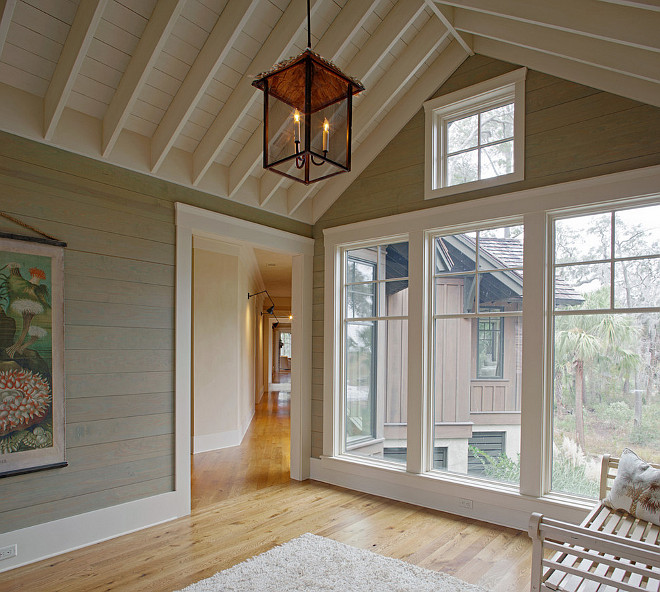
490,345
477,295
606,342
375,343
475,136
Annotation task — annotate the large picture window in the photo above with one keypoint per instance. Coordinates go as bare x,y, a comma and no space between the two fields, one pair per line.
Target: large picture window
477,342
424,361
606,342
375,351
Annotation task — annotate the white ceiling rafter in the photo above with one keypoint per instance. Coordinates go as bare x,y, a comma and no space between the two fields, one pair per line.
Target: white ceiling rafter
227,28
372,53
591,18
441,69
388,88
644,4
277,47
83,28
159,27
587,50
6,14
347,23
579,72
446,18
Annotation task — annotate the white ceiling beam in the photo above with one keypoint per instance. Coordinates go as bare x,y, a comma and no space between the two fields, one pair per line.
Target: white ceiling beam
388,89
228,27
429,38
587,50
6,14
445,16
334,41
276,47
389,31
593,18
158,29
643,4
439,71
580,73
73,54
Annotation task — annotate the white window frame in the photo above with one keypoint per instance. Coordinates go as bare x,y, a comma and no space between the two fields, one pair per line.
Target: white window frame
414,483
474,99
342,252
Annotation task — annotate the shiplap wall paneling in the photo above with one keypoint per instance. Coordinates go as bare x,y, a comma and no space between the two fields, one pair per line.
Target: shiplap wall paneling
119,330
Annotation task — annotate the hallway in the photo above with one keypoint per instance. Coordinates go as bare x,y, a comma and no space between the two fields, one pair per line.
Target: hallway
260,461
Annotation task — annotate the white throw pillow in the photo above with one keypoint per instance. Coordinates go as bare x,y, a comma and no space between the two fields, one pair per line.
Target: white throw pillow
636,488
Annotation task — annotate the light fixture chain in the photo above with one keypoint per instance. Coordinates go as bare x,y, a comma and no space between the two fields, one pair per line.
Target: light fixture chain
309,28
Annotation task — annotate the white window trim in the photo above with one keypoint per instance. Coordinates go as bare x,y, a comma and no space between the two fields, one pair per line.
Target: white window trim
509,86
492,502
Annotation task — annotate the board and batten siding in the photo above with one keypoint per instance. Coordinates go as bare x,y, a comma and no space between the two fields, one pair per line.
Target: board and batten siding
571,132
119,324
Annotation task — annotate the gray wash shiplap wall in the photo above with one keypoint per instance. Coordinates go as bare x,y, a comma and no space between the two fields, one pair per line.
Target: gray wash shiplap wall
571,132
119,324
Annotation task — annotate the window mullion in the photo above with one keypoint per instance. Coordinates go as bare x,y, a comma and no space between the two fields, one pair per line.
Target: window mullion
417,405
534,441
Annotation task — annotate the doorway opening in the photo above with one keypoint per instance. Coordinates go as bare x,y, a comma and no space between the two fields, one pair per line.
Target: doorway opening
196,223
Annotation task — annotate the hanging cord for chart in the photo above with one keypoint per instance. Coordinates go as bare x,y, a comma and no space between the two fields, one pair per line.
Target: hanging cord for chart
47,238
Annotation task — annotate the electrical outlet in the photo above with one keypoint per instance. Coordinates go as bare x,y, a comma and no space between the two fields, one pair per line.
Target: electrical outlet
465,503
8,552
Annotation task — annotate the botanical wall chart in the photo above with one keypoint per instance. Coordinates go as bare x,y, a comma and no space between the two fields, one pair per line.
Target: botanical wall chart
31,356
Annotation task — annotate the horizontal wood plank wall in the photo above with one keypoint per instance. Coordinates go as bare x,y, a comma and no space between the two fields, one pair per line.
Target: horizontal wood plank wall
119,324
571,132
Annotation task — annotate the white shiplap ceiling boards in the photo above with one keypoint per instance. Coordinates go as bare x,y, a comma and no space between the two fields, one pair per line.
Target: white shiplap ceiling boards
163,87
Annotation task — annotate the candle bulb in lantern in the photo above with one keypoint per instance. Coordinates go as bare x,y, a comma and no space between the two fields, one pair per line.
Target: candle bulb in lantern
326,135
296,128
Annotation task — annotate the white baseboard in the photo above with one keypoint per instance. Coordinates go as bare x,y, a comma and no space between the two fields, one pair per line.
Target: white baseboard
490,503
67,534
221,440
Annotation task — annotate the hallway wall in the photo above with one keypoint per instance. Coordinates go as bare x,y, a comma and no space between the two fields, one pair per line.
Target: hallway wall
224,343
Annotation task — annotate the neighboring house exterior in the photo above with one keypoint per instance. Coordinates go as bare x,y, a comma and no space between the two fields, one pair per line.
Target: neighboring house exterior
476,403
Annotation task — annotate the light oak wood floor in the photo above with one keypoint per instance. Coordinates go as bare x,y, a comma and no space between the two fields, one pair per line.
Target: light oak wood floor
244,504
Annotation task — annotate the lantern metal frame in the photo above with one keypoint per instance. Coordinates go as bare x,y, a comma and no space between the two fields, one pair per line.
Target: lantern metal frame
307,83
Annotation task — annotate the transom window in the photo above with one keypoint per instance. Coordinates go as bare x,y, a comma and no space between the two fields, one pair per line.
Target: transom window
475,136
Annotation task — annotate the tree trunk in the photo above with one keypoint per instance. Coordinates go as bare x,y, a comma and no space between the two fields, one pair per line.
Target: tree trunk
579,419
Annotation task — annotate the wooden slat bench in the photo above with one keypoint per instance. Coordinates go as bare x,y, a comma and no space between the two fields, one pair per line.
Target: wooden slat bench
611,550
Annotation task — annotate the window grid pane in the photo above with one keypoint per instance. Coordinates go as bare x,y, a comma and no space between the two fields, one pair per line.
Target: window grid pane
477,352
606,369
375,352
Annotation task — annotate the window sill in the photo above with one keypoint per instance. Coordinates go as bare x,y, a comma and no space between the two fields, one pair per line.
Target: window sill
430,193
497,503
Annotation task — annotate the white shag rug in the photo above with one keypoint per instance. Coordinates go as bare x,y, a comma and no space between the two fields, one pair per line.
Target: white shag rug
312,563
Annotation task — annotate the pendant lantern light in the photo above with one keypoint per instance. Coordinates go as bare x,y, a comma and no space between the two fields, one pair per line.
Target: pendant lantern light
307,116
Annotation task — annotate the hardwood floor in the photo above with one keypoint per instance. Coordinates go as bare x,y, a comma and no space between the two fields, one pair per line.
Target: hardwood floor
244,504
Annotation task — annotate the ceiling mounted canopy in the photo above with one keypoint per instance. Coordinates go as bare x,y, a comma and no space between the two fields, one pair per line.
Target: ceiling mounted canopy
307,116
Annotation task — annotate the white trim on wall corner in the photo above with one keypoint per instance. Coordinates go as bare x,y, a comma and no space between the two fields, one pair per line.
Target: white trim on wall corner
67,534
220,440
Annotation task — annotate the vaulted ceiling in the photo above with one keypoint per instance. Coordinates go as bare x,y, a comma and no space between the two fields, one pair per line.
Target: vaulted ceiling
163,87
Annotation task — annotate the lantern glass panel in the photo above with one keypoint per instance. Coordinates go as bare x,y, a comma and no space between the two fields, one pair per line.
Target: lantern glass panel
332,139
283,130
